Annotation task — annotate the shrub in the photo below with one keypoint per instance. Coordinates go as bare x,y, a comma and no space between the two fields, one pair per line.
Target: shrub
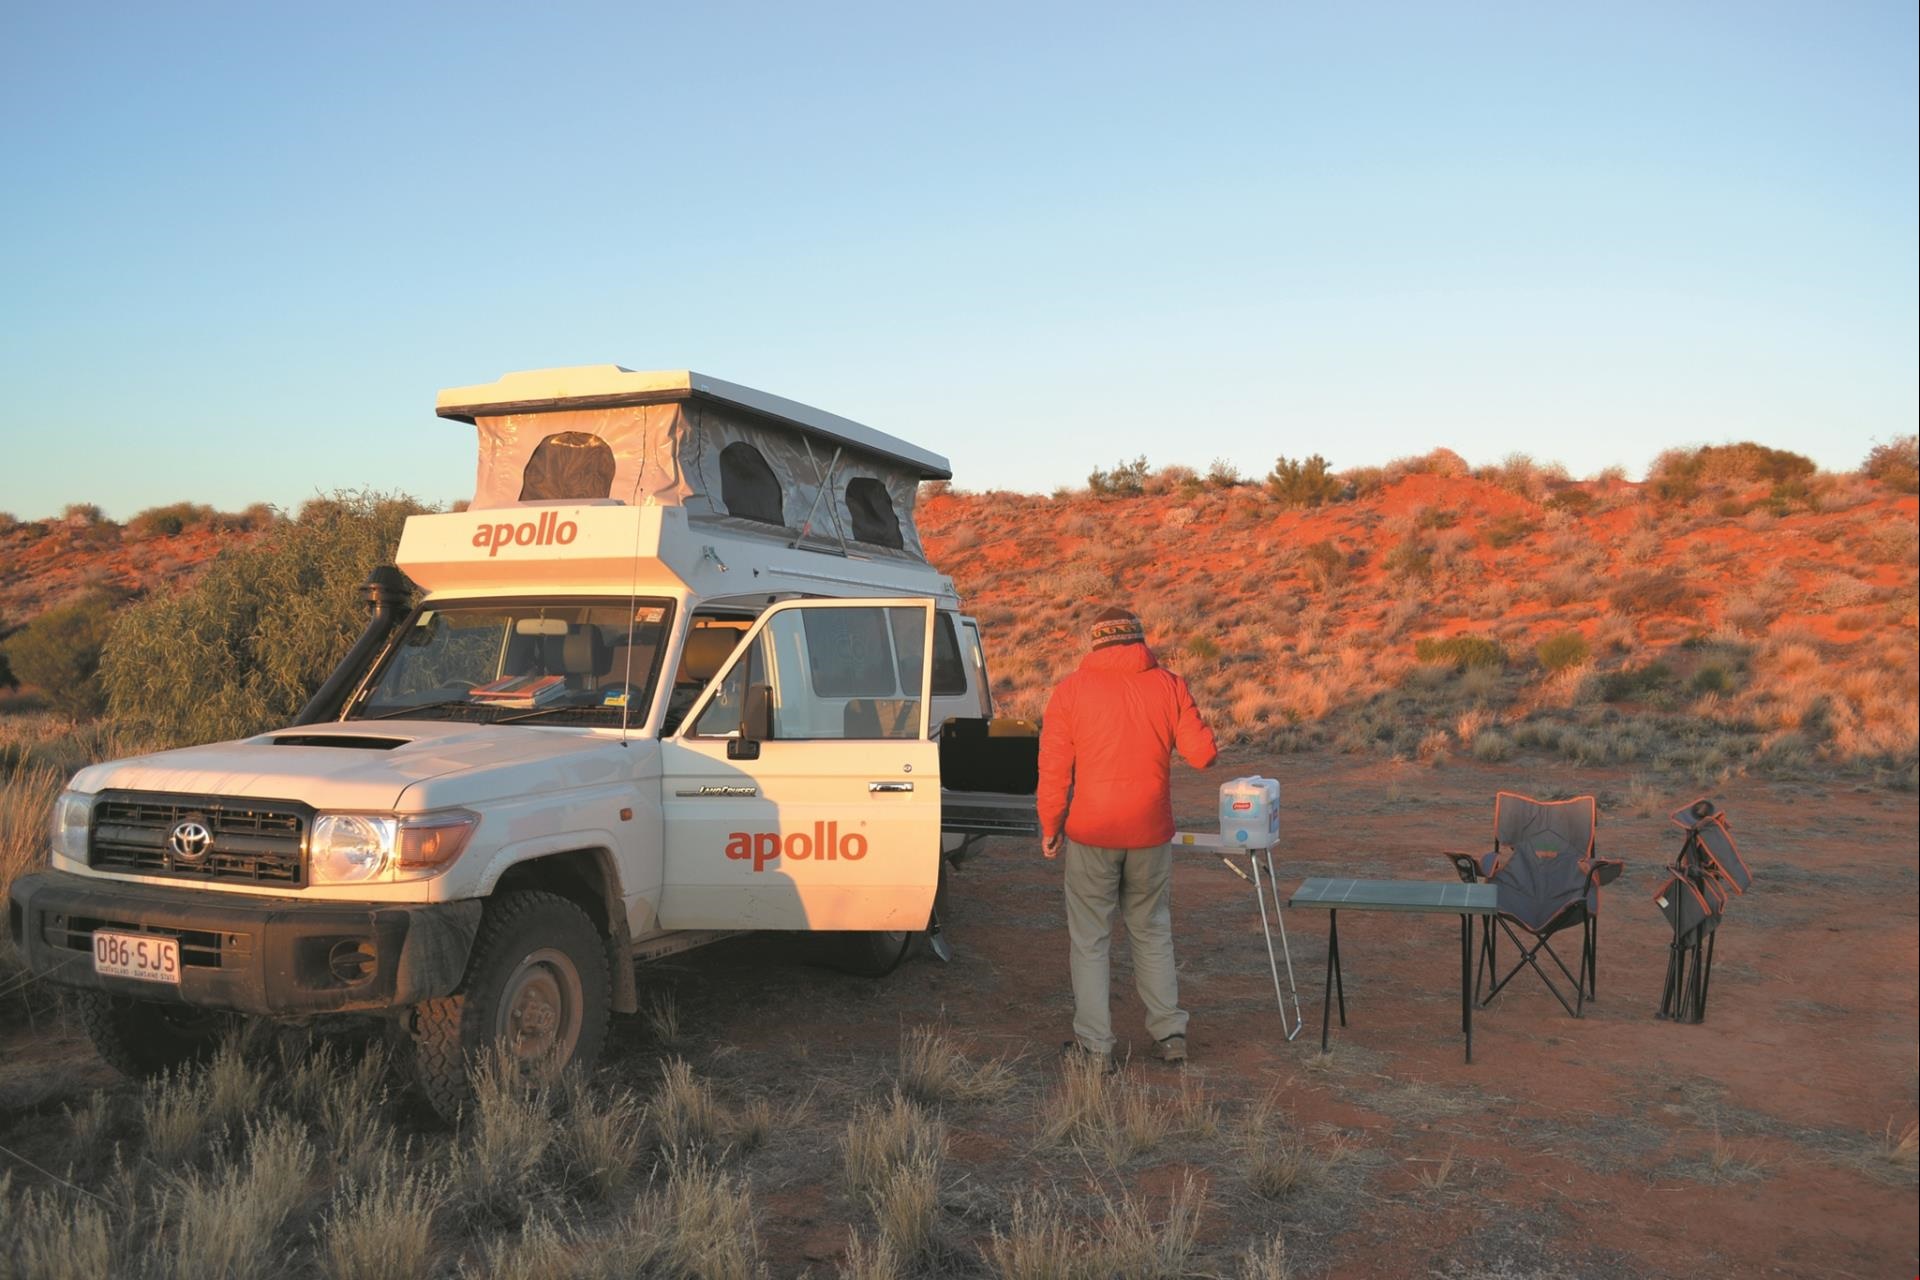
1652,593
1126,480
1303,484
1222,474
1679,475
7,680
1557,653
1504,531
8,522
1712,679
244,647
82,513
1202,648
1631,684
58,653
1410,559
167,521
1462,652
1326,563
1895,464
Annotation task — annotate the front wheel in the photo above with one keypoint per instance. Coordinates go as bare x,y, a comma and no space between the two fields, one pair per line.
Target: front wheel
878,953
142,1038
536,991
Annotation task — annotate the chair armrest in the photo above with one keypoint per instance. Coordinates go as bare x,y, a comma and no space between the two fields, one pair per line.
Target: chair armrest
1467,865
1606,870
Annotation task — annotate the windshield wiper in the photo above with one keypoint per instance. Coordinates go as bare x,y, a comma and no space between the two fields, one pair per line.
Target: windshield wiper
548,711
398,712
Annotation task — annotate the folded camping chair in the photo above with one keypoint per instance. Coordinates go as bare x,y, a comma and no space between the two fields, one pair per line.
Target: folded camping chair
1707,873
1549,878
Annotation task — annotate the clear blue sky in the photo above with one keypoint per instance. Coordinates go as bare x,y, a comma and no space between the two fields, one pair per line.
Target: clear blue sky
241,247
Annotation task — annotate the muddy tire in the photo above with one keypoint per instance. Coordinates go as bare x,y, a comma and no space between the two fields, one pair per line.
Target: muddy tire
536,985
143,1038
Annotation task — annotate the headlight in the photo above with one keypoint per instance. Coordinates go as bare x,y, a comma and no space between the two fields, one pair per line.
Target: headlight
349,848
72,815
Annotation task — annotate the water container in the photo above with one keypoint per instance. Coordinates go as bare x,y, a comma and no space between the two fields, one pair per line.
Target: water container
1250,812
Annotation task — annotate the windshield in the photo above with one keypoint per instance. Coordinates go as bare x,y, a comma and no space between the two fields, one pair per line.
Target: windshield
545,662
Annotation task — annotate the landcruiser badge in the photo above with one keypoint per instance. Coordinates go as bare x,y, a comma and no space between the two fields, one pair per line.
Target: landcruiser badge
190,841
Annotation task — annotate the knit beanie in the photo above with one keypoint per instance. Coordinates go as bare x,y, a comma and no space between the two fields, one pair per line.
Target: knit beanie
1116,626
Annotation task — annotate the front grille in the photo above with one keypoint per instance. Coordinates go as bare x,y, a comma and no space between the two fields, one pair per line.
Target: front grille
254,841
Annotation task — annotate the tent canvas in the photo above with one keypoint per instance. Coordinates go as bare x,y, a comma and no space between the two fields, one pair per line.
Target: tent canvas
725,453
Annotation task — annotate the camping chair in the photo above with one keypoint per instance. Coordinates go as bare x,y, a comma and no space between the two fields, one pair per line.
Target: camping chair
1706,874
1543,861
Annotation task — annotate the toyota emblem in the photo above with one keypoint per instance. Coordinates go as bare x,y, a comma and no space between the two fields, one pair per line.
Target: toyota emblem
190,840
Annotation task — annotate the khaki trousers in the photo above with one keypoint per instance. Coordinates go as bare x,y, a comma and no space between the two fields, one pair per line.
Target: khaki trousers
1136,882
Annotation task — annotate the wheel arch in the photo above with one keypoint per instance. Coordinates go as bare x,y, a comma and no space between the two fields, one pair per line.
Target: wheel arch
587,878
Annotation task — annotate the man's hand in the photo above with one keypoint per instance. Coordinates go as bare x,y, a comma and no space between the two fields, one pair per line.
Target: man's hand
1051,845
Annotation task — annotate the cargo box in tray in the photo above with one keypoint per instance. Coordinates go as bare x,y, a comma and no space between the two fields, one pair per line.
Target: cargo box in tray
989,770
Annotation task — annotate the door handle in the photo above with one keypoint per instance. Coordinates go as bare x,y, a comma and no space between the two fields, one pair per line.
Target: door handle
889,786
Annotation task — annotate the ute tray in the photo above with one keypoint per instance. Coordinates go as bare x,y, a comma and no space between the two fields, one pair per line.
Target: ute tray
988,813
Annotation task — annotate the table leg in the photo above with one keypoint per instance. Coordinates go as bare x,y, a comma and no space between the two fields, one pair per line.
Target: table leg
1466,982
1339,980
1333,963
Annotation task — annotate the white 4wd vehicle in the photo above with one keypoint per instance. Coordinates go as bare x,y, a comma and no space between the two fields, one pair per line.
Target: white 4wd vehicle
681,670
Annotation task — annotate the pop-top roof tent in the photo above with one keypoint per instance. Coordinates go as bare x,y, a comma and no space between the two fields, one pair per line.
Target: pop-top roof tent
726,453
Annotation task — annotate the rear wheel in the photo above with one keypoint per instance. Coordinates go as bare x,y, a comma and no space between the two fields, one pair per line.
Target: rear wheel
877,954
537,988
142,1038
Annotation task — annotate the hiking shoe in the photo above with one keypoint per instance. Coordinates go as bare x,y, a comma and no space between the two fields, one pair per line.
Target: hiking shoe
1078,1055
1173,1049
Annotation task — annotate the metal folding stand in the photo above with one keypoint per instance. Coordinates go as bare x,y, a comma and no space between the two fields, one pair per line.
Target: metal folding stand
1255,856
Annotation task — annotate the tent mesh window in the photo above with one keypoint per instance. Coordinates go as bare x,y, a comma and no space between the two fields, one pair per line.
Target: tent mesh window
872,510
571,466
748,487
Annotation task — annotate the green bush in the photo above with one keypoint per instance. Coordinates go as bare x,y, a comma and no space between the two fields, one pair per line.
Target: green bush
1410,559
1126,480
1895,464
1557,653
1461,652
245,646
58,653
1222,474
83,513
1309,483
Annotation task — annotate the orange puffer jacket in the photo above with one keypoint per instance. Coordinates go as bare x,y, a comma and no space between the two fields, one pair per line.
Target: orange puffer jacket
1107,742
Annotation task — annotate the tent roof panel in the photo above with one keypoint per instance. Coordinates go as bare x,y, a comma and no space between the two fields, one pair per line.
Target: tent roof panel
598,386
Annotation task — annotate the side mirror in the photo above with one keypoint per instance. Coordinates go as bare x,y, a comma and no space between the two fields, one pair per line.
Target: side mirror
756,724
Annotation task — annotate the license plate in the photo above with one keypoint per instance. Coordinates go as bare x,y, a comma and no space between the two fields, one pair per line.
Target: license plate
136,955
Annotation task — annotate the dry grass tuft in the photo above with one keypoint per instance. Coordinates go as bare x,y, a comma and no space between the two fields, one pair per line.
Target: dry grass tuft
882,1136
1044,1242
1277,1160
512,1130
539,1251
1118,1116
906,1204
382,1228
1900,1153
934,1069
700,1224
223,1227
864,1261
1435,1179
685,1113
49,1238
600,1138
1266,1262
662,1014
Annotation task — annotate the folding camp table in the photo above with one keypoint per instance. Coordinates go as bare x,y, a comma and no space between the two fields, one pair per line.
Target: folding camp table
1255,855
1420,897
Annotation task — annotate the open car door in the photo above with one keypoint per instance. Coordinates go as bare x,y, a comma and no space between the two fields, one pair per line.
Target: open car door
802,791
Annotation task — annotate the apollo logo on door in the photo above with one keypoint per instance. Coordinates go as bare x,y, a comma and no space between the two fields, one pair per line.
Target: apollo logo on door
823,844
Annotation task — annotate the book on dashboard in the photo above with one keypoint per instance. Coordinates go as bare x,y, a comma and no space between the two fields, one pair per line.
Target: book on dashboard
520,691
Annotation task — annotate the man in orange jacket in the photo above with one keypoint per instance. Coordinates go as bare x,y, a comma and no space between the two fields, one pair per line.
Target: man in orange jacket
1106,747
